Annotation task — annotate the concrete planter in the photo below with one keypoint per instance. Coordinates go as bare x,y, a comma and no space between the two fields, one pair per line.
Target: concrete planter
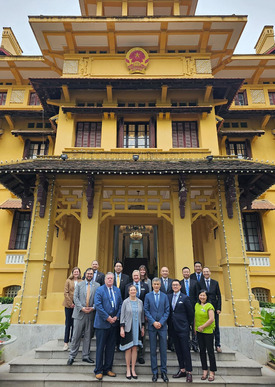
266,343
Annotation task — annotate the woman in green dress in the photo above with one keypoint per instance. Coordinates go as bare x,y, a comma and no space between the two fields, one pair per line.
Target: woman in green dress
204,327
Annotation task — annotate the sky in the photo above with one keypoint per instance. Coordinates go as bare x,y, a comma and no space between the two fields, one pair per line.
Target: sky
14,14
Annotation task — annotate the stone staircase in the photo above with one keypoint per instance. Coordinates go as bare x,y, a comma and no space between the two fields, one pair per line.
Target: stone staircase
46,366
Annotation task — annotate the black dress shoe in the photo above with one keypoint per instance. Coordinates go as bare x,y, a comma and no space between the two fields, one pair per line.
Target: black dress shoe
155,377
141,360
195,349
70,361
180,374
164,377
88,360
134,376
171,348
189,378
128,377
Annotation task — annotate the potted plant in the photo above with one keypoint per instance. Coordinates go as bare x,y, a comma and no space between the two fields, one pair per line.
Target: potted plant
4,337
267,331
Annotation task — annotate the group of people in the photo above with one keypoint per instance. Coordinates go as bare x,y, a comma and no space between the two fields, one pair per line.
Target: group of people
181,315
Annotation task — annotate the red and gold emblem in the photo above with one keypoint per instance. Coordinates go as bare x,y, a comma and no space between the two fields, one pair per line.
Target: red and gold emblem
137,60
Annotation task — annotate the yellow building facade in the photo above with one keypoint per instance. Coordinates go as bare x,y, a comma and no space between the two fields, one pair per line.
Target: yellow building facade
137,118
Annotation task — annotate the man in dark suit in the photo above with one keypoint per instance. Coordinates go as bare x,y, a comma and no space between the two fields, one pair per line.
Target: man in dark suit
98,275
83,316
156,309
181,317
166,287
142,290
214,297
190,288
197,275
121,279
108,306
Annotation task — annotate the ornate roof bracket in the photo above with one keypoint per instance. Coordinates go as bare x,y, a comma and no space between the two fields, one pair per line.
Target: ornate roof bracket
90,193
230,194
182,196
42,192
27,198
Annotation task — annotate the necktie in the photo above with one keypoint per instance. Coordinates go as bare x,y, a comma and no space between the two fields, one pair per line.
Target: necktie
207,285
88,294
198,277
165,284
187,288
157,299
174,301
136,285
117,281
112,297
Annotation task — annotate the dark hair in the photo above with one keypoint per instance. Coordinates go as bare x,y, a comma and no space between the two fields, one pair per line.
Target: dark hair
185,267
89,269
118,262
203,291
72,276
198,263
131,286
146,272
175,280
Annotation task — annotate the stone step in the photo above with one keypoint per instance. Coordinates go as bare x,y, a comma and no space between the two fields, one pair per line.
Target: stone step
55,352
24,364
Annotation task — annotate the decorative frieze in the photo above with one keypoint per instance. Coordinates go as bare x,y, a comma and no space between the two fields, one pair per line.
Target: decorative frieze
259,261
17,96
203,66
14,259
257,96
70,67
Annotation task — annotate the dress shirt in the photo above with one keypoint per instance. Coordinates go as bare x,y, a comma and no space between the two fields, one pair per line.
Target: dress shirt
95,274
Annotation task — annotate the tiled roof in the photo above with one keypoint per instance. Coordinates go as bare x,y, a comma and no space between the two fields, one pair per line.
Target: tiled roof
262,205
11,204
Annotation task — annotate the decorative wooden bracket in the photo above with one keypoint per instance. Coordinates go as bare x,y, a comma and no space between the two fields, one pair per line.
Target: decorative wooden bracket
42,192
182,196
27,198
90,193
230,194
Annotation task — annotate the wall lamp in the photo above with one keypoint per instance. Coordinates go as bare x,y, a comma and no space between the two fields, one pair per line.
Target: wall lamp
209,158
64,157
135,157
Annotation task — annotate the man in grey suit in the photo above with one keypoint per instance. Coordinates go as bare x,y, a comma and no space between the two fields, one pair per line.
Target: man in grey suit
83,316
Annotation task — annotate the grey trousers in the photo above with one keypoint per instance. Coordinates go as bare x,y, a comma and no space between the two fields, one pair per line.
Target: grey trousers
82,326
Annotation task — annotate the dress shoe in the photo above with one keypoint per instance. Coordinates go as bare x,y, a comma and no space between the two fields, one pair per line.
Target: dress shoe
111,373
134,376
195,348
70,361
128,377
164,377
155,377
180,374
171,348
99,376
141,360
189,378
88,360
218,349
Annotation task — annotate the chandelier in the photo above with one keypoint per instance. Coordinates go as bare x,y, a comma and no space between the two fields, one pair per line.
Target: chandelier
136,235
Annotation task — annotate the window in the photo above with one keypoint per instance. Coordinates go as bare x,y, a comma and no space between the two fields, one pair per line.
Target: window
261,294
136,135
252,232
238,148
34,100
88,134
271,98
12,291
3,97
185,134
241,99
33,149
20,231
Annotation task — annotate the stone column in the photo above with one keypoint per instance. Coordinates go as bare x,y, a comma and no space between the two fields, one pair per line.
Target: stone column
183,247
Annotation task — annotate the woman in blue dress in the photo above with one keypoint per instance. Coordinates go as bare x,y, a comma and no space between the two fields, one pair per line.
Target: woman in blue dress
131,330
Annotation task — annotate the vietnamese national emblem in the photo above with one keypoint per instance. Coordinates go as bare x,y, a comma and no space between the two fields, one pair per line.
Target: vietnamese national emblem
137,60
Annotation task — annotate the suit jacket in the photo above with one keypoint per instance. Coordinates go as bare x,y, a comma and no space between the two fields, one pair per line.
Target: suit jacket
126,316
100,278
124,280
69,293
193,290
193,276
169,287
154,313
80,298
104,307
144,289
183,314
214,293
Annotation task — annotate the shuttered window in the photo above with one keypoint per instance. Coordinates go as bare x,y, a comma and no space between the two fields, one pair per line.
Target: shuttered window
88,134
185,134
20,231
34,149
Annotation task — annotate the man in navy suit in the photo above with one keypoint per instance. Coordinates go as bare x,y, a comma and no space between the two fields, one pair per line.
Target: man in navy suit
181,317
156,308
197,275
121,279
215,298
166,287
108,306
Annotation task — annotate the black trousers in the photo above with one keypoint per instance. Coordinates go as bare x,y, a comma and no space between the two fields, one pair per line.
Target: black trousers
206,342
217,331
181,342
69,325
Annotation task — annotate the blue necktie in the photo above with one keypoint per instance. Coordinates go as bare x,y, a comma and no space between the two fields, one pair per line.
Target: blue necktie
174,301
137,287
166,284
207,285
187,288
198,277
112,298
157,299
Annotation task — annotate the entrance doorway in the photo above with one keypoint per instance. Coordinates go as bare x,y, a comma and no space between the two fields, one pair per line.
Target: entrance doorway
136,245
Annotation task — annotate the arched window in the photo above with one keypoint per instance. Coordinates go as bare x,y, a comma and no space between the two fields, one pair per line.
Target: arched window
12,291
261,294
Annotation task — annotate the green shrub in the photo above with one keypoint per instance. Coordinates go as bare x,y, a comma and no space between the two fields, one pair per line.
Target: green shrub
266,304
6,300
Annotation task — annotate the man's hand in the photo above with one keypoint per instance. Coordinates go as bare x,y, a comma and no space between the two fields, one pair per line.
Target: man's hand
112,320
218,311
87,309
157,325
